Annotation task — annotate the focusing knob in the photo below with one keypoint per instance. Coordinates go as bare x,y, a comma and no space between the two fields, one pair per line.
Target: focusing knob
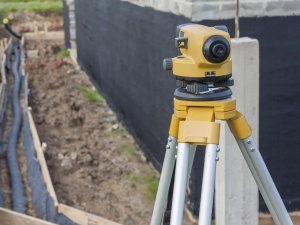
196,88
181,83
167,64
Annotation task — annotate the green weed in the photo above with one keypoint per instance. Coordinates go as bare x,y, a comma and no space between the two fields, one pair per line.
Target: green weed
152,186
64,53
133,178
150,183
127,148
91,95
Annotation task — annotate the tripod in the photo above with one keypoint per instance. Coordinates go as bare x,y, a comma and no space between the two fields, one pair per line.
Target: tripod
198,103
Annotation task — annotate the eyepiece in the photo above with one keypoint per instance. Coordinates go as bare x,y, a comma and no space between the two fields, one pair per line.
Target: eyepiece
216,49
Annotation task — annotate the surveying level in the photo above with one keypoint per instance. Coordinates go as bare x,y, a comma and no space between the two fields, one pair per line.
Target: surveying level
204,73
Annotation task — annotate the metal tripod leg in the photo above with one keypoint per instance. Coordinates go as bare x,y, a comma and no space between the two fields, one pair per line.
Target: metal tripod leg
167,217
264,181
257,179
181,176
191,160
208,185
164,182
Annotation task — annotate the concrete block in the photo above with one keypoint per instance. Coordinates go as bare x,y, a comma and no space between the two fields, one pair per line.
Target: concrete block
251,9
198,10
236,191
203,11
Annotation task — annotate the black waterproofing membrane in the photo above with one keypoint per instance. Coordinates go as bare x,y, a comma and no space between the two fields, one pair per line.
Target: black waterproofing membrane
121,46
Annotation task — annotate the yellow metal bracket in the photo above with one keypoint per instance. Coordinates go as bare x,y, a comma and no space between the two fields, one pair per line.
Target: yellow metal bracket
239,126
194,121
199,127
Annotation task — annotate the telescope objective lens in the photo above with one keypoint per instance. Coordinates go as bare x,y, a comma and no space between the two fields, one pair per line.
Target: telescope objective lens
219,50
216,49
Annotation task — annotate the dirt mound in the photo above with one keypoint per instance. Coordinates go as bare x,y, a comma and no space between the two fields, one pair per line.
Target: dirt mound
94,164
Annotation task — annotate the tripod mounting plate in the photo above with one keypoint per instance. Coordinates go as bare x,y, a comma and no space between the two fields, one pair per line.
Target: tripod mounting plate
213,95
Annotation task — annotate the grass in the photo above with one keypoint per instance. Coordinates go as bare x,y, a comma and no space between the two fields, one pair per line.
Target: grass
64,53
152,186
133,178
127,148
150,182
30,1
91,95
41,6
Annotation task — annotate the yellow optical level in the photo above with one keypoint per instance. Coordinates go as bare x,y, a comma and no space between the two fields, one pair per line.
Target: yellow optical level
205,53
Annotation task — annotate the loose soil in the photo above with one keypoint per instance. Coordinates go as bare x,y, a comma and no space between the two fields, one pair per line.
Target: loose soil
94,163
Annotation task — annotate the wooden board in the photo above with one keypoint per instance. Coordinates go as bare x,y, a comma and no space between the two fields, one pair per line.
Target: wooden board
83,218
73,55
42,160
3,81
53,35
8,217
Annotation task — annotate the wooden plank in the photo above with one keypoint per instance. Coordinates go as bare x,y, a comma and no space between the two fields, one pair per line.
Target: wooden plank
83,218
42,160
33,53
22,42
41,35
8,217
8,44
3,82
73,55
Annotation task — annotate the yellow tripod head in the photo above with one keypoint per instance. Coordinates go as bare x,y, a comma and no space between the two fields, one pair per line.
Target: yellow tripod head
205,61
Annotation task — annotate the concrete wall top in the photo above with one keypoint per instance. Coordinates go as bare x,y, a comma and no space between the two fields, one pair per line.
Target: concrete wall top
198,10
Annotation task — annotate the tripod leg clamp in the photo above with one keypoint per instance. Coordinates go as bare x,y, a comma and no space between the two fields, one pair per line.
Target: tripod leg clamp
199,132
239,127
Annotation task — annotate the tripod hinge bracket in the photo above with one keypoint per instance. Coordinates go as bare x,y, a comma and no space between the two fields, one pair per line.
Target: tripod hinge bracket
239,126
199,132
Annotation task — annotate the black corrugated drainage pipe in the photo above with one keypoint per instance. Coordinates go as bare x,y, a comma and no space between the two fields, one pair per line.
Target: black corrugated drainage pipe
18,197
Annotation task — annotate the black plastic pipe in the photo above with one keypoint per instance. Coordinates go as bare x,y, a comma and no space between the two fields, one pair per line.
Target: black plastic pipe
18,197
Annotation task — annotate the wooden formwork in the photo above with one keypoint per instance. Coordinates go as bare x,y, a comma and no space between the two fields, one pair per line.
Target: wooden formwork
3,48
8,217
78,216
44,34
83,218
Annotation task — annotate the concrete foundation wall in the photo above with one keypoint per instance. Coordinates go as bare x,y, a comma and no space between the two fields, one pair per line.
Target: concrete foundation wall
198,10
